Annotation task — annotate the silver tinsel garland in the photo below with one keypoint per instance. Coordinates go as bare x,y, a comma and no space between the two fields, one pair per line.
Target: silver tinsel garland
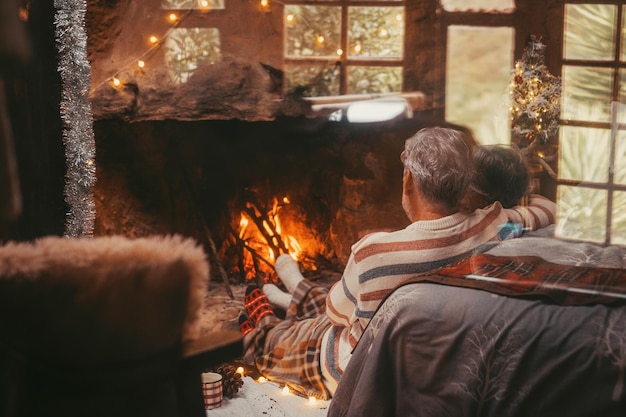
78,136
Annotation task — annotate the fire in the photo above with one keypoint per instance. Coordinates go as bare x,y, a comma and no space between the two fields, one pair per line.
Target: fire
264,238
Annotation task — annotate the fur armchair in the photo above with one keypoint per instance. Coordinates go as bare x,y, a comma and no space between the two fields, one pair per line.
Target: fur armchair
105,326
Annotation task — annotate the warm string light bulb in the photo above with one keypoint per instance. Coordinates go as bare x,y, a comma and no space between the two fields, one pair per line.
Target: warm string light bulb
261,380
312,400
174,18
285,389
240,370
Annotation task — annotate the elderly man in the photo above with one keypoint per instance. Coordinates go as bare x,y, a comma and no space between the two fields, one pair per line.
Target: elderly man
310,348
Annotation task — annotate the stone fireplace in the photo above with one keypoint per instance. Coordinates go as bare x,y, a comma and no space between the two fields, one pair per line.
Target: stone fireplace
252,190
229,156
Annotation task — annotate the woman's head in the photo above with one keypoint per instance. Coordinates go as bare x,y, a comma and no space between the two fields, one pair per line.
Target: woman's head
501,174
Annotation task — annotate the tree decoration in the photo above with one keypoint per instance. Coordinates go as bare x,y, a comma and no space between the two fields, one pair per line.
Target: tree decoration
536,97
535,104
78,135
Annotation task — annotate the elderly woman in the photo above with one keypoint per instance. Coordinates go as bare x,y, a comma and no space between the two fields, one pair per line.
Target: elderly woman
311,347
501,174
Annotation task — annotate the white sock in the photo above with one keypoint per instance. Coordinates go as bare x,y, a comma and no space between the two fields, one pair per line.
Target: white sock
288,272
277,297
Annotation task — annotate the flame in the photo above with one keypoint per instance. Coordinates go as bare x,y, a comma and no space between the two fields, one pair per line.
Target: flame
272,229
243,225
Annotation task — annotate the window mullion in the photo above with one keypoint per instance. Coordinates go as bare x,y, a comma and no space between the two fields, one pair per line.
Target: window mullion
343,70
614,124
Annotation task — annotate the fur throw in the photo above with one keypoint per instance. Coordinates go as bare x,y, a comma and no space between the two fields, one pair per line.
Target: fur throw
104,299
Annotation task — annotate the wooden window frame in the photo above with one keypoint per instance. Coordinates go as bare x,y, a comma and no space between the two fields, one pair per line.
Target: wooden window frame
344,60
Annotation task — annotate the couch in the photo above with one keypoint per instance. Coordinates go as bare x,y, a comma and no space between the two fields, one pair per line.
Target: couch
531,327
105,326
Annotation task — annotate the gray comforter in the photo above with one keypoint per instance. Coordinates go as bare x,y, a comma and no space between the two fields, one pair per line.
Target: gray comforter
441,350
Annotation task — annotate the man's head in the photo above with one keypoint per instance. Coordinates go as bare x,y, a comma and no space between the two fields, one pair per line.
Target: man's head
440,164
500,175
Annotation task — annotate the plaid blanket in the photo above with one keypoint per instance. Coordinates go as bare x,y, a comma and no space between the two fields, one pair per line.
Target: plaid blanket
531,276
288,351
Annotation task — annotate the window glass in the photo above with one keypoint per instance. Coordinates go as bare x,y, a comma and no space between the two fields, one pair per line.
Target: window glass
584,153
323,57
186,49
477,80
621,118
619,218
582,213
192,4
374,80
375,31
580,42
586,93
312,80
312,30
468,5
623,38
620,159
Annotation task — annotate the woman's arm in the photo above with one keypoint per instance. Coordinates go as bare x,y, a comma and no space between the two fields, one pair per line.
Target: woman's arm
540,212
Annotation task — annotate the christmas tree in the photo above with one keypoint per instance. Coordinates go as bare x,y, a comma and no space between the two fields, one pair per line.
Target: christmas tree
536,99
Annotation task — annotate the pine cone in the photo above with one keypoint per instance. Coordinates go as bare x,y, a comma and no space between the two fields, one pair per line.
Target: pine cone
231,380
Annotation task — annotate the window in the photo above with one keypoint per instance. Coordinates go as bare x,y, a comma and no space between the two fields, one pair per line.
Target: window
591,187
479,58
337,47
186,49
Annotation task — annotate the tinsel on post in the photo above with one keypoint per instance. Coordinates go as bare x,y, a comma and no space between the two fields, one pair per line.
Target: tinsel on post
78,136
535,104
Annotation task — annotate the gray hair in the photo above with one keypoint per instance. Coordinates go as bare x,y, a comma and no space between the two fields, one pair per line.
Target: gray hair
440,162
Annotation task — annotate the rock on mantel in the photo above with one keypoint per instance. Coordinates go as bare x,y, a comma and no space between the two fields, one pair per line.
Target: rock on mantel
244,84
229,89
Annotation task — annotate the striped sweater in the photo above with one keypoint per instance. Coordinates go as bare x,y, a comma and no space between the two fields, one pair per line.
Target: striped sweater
382,261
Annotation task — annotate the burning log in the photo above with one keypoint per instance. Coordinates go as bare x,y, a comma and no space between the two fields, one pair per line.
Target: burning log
257,249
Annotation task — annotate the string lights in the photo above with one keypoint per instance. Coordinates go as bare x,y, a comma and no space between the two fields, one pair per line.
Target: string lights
286,390
155,41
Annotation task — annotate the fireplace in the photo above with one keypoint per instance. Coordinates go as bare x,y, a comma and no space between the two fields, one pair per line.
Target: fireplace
249,191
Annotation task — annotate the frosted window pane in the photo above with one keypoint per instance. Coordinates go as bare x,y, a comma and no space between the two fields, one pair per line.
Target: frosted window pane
581,213
466,5
584,153
620,160
478,77
192,4
587,93
623,55
580,42
312,80
618,235
187,49
375,32
312,30
374,80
